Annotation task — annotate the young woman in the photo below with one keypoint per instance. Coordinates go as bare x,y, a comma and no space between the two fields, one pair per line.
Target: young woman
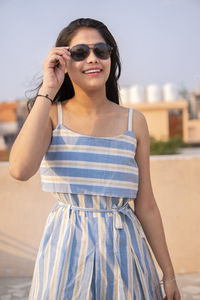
93,156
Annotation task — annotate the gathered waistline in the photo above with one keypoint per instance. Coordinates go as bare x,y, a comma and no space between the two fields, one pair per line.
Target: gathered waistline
114,209
125,210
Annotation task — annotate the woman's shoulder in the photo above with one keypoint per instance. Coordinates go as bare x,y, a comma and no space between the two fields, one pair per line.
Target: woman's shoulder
139,124
138,115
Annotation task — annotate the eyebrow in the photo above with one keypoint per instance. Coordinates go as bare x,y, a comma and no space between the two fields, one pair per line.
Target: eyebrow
88,44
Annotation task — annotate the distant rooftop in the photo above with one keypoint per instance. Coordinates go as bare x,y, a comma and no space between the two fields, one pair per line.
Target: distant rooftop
8,111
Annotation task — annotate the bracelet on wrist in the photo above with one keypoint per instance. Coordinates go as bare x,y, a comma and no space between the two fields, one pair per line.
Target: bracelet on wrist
167,281
46,96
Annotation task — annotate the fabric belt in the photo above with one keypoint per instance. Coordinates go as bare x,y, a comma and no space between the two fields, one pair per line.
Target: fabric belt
117,219
116,213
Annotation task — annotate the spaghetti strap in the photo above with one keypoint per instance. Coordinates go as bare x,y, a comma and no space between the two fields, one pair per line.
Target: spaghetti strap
59,105
130,117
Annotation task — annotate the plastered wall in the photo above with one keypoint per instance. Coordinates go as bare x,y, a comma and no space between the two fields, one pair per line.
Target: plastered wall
24,209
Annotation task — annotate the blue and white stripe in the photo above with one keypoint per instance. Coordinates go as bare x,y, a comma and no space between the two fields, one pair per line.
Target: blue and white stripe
93,245
80,164
94,248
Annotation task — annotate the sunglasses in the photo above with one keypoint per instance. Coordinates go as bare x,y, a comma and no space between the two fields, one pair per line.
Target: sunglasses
82,51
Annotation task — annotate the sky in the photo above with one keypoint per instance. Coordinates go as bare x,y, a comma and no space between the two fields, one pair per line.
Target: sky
158,40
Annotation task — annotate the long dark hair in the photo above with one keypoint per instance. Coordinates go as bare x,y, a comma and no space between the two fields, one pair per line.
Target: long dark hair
65,36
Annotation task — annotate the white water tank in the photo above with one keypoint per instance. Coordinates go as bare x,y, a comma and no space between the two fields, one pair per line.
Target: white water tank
170,92
136,94
154,93
124,95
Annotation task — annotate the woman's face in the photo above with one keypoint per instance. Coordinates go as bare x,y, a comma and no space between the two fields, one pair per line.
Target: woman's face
76,69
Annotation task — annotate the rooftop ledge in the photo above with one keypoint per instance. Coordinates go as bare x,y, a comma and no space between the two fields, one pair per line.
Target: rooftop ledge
174,156
159,105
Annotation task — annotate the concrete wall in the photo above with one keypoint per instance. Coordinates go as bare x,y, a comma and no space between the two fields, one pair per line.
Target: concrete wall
158,119
154,118
194,130
24,209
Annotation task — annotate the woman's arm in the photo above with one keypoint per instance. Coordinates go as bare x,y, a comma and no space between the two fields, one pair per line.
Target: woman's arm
145,206
32,141
34,137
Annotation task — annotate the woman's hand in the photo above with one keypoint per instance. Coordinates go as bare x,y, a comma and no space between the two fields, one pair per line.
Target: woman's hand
54,68
171,291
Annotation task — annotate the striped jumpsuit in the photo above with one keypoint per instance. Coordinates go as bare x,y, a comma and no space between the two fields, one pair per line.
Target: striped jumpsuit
93,246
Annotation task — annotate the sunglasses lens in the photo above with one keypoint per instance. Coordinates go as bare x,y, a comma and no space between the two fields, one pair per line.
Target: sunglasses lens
102,50
79,52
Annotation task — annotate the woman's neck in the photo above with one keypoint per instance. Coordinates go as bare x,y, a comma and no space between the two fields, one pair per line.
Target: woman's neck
90,102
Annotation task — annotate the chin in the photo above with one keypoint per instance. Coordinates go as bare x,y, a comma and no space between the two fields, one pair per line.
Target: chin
90,85
93,86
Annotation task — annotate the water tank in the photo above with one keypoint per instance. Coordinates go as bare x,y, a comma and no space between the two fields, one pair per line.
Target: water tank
136,94
170,92
154,93
124,95
197,90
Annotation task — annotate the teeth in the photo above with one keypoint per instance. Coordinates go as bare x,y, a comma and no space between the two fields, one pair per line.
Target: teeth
92,71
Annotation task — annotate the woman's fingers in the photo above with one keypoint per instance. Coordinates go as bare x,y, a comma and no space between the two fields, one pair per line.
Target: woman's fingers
172,292
54,58
62,51
58,56
54,67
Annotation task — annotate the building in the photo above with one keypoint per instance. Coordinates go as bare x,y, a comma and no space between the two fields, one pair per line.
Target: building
12,116
195,103
166,111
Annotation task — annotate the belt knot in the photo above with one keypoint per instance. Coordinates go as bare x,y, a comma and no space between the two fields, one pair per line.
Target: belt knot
115,210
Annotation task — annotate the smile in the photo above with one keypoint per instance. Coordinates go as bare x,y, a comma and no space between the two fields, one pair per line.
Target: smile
92,71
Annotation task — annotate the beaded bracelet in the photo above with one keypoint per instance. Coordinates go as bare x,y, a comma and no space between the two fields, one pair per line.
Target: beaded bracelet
167,281
46,96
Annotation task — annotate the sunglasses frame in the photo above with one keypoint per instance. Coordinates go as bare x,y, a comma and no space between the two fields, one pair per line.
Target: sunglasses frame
86,46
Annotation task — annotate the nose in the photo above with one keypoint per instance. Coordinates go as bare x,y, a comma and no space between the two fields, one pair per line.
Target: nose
92,57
